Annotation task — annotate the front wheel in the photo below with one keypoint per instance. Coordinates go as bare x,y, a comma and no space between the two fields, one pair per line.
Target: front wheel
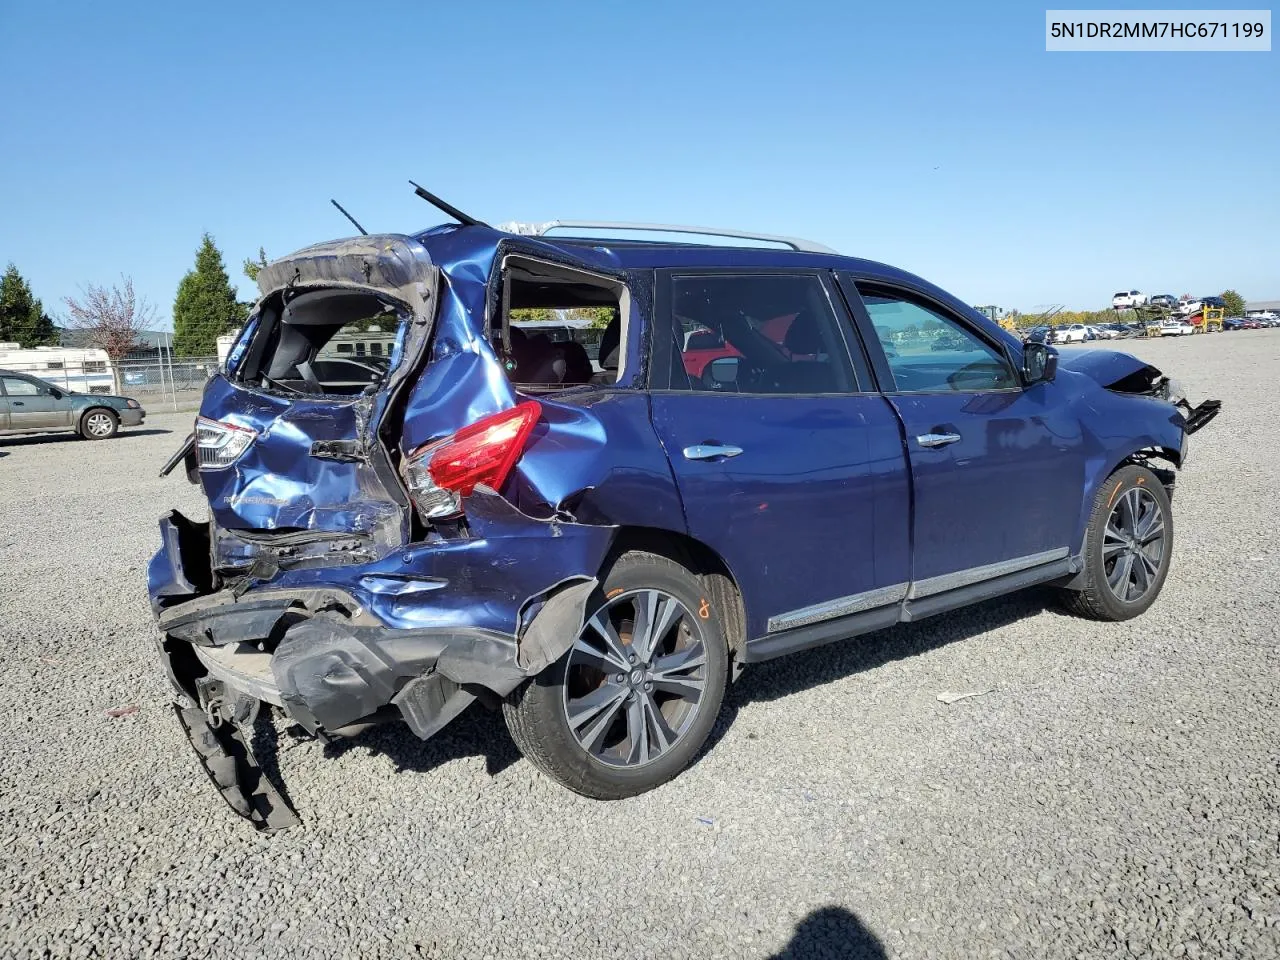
99,424
1128,547
633,700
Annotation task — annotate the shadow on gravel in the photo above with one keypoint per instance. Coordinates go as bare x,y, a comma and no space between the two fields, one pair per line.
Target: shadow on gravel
264,743
38,438
843,658
479,732
832,932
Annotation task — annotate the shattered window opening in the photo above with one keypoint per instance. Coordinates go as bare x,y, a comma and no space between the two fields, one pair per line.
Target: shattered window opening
559,327
327,342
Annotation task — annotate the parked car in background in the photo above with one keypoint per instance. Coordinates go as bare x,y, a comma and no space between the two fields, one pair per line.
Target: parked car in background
31,405
1073,333
1166,300
1041,334
595,554
949,341
1234,323
1127,300
1176,328
1102,331
1193,306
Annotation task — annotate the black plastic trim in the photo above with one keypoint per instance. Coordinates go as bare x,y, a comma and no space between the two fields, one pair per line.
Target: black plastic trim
913,610
816,634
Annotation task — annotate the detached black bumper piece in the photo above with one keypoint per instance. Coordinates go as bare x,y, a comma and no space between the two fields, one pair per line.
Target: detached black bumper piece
1198,417
230,764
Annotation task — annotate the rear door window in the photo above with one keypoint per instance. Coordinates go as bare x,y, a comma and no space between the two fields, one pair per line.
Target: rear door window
753,333
20,388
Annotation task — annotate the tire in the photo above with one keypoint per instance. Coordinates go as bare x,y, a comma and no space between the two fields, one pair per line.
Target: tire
606,757
1128,547
98,424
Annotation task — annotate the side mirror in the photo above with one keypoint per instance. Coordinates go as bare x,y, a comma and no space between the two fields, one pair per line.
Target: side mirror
55,393
1039,363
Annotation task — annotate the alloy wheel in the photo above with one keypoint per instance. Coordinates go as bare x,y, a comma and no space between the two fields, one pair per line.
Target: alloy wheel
98,424
1133,545
635,678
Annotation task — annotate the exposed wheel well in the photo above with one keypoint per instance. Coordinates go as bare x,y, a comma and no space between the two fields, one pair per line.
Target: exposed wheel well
94,409
702,560
1143,458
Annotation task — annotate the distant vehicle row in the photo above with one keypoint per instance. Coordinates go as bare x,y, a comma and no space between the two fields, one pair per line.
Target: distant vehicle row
1178,327
1185,306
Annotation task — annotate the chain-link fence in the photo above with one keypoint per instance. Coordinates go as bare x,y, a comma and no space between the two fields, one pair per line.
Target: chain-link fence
177,379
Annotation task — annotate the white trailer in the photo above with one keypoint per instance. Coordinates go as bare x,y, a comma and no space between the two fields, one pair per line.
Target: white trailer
82,369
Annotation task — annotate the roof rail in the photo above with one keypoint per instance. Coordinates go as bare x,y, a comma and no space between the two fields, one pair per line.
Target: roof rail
541,230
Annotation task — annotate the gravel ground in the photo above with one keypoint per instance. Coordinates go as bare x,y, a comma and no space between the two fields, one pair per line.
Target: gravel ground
1115,792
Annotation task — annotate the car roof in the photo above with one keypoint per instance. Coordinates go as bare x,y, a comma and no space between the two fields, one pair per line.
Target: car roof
630,253
457,247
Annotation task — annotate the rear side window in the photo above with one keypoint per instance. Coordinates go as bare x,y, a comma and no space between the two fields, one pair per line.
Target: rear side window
929,352
756,334
20,388
560,326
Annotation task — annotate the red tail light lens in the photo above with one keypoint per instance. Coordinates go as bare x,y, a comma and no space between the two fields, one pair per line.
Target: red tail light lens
482,453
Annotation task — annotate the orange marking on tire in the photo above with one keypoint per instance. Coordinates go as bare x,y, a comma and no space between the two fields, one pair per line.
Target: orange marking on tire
612,593
704,609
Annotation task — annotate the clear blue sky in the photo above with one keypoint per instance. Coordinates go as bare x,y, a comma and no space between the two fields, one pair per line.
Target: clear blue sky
941,137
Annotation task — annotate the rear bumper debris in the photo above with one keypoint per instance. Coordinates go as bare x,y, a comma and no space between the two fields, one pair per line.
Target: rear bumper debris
235,773
325,656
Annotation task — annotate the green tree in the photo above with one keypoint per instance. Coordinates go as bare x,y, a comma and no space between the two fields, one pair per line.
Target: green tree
22,318
1234,302
599,316
254,267
206,306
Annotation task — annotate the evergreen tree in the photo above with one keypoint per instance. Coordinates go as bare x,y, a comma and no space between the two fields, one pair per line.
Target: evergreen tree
22,318
206,306
254,267
1234,302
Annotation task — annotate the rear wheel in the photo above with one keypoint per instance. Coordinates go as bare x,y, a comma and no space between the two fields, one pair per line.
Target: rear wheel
633,700
1128,547
98,424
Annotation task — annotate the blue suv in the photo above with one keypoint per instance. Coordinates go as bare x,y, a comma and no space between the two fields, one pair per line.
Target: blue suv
772,449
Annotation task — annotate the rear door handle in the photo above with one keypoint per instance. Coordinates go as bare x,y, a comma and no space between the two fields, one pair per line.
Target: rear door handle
18,403
709,451
937,439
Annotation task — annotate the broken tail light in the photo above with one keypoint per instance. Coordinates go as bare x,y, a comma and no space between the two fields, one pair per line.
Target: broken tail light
220,444
440,474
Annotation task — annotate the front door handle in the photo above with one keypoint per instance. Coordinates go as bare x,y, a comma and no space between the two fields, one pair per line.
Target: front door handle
17,403
932,440
709,451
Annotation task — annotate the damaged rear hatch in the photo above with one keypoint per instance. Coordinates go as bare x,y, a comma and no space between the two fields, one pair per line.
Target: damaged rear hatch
295,440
